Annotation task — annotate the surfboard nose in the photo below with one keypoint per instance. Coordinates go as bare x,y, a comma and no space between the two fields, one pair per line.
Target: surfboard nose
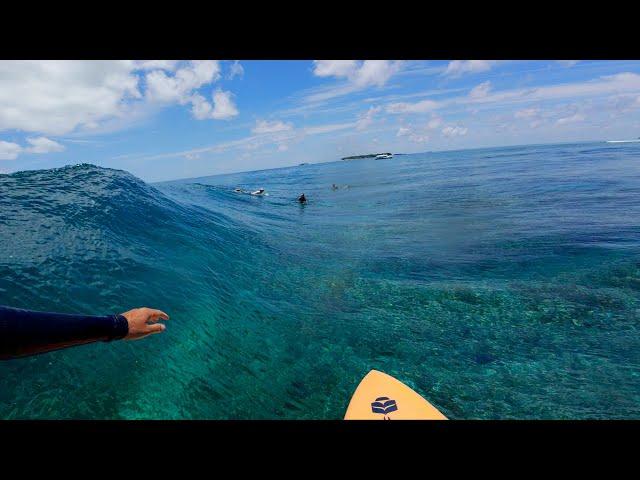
382,397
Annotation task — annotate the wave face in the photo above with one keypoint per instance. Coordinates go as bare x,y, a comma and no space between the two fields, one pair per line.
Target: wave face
498,283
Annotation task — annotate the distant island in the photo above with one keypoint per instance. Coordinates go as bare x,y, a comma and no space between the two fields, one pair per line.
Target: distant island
368,155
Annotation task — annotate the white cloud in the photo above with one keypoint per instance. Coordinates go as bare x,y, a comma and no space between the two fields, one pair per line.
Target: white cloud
366,119
558,115
422,133
419,138
622,85
39,145
322,94
334,68
9,151
434,123
403,132
454,131
254,141
576,117
460,67
332,127
157,64
375,72
222,108
568,63
412,135
265,126
527,113
235,70
606,85
418,107
481,90
200,108
621,104
180,87
60,97
56,96
43,145
360,74
356,75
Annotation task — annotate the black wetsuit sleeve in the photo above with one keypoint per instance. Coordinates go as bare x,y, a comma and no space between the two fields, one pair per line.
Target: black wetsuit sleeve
25,332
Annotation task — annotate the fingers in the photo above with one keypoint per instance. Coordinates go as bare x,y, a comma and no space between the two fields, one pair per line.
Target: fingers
148,329
154,315
155,328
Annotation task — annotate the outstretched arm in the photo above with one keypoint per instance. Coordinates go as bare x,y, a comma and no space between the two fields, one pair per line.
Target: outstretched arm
26,332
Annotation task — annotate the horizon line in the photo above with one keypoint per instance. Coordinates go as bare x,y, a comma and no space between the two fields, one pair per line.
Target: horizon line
398,153
314,163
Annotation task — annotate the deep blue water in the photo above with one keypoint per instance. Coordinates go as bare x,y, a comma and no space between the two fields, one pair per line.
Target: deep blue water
498,283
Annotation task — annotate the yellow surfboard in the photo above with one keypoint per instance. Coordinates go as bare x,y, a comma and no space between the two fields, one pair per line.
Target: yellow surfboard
381,397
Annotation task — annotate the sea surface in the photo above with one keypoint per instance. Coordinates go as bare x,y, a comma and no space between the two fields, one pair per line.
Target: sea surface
498,283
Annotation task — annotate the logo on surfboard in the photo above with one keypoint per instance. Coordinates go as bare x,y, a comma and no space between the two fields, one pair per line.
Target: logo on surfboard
385,406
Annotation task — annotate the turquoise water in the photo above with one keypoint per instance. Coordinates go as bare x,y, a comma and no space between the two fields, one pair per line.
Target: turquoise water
498,283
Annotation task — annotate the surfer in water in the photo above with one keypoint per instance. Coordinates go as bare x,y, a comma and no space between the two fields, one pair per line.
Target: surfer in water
302,198
27,332
260,191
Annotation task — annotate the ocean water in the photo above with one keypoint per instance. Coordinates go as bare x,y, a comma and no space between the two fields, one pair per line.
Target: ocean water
498,283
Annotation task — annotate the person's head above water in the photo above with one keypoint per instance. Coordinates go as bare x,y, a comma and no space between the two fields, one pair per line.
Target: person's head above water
302,198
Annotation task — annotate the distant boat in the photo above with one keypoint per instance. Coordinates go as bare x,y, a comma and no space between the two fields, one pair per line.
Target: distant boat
369,155
301,164
635,140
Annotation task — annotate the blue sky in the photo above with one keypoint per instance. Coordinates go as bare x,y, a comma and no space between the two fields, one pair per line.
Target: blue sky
167,119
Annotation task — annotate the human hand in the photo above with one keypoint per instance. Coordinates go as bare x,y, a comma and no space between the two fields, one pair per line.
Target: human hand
142,322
